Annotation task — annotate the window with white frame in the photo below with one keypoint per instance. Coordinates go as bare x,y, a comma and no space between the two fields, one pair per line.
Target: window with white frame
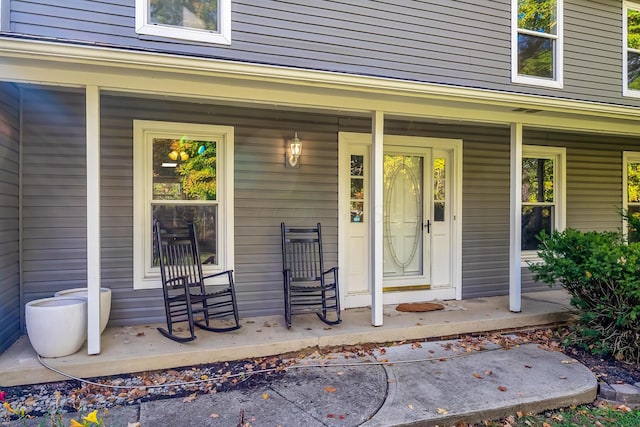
536,45
207,21
631,49
183,173
631,191
542,194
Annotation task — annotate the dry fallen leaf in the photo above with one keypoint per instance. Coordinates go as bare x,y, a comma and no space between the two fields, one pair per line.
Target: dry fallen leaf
214,415
488,372
478,376
330,389
502,388
265,396
190,398
442,411
410,406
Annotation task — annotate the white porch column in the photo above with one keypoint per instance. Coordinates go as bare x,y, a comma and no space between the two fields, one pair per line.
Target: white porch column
515,262
377,214
93,218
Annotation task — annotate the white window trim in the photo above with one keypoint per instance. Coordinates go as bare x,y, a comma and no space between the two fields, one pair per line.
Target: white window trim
558,71
625,50
144,276
559,155
5,15
223,36
627,157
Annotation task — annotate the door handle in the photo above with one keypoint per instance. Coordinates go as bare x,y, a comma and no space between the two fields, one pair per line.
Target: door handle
428,226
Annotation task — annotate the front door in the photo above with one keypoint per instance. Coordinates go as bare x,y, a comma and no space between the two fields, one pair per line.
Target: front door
418,214
407,218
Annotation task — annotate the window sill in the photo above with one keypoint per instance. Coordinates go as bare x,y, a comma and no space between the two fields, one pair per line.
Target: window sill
534,81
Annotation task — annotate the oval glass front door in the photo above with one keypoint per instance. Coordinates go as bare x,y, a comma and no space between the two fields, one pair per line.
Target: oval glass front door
403,204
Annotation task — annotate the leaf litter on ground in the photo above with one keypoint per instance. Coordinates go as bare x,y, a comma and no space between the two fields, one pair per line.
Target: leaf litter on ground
257,372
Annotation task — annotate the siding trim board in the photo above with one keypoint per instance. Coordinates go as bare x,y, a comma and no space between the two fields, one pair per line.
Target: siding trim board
66,65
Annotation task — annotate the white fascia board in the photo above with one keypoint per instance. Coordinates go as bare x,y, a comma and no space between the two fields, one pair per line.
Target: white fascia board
100,61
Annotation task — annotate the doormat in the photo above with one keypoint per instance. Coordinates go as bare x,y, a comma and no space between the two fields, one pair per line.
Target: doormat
419,307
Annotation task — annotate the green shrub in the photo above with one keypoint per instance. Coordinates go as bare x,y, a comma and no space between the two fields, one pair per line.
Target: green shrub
602,274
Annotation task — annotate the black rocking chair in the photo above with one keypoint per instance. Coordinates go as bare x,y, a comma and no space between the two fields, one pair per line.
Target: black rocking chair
307,286
186,298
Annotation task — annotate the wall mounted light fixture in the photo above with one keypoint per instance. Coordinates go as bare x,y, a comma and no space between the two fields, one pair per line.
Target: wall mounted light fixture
291,159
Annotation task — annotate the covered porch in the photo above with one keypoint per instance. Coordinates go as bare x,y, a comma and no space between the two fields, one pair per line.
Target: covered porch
76,217
129,349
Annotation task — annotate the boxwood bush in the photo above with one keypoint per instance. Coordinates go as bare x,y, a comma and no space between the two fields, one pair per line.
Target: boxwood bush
602,273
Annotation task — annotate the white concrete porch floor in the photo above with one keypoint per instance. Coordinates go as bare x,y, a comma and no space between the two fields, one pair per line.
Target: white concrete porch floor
142,348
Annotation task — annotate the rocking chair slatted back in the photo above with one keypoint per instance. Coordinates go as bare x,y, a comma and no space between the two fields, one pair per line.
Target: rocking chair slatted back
303,257
180,252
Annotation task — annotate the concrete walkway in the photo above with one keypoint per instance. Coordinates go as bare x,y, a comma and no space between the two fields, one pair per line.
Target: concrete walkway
432,383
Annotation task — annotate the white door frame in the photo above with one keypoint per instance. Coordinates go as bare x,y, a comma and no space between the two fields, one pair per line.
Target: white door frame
345,140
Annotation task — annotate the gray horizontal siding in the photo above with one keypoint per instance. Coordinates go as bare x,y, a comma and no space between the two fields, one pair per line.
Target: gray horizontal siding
463,43
54,193
9,216
265,194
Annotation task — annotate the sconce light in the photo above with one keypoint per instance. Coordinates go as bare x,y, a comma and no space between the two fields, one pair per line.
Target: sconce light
295,150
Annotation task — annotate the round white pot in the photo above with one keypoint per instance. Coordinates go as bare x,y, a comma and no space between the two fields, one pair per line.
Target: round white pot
105,302
56,326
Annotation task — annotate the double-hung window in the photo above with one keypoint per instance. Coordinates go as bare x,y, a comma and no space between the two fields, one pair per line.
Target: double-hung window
183,173
536,42
631,191
543,206
207,21
631,49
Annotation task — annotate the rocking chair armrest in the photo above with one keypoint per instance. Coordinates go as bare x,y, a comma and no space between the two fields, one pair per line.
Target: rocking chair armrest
208,276
332,269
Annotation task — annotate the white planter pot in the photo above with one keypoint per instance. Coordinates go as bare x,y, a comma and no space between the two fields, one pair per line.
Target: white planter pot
56,326
105,302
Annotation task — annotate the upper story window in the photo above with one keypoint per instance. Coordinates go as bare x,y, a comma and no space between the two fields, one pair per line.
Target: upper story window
183,173
631,49
543,184
206,21
536,42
